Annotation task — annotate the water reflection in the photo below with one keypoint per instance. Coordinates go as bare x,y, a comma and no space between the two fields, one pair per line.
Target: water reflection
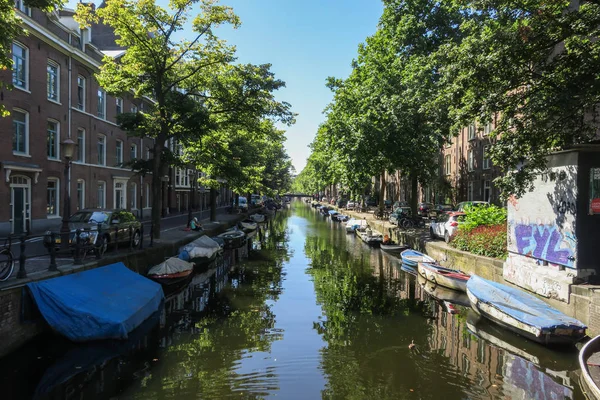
307,311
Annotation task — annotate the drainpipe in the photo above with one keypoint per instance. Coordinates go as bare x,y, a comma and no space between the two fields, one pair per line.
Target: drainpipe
69,111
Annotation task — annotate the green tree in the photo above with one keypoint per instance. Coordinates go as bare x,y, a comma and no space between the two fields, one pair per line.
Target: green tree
197,69
10,28
533,66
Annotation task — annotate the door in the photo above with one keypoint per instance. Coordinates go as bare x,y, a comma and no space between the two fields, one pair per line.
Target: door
19,209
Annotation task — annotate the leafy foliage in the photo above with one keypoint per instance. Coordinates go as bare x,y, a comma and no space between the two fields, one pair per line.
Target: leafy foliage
483,216
484,240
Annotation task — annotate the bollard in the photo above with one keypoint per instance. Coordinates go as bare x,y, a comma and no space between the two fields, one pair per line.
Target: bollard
141,236
151,234
53,267
22,273
77,260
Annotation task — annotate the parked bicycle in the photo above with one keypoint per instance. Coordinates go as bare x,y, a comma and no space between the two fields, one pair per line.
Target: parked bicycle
7,261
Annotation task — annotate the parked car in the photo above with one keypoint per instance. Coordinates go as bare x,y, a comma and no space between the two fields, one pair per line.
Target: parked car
350,205
399,213
243,203
443,208
116,226
398,204
341,203
387,203
371,202
461,206
446,225
424,209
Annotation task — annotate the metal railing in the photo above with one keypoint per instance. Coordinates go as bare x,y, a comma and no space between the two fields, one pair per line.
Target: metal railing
78,248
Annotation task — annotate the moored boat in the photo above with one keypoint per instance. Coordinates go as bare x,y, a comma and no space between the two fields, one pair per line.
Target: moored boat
393,248
412,258
248,225
354,224
589,362
172,270
257,218
409,269
523,313
233,238
201,251
370,237
450,278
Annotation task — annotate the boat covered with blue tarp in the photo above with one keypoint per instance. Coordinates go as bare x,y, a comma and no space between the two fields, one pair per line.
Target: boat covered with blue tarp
523,313
101,303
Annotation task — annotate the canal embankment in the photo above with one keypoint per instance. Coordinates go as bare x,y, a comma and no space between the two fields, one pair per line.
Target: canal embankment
19,323
584,299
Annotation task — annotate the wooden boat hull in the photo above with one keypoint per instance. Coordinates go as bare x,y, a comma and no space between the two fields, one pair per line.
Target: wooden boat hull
590,385
515,316
446,277
171,279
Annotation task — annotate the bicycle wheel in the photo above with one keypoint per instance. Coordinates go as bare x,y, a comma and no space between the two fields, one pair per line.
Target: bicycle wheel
7,264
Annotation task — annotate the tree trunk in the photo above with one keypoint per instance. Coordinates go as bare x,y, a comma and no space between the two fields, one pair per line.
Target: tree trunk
414,189
382,193
213,205
157,199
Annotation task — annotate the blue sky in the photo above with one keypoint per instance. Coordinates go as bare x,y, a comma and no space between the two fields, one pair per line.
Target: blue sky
306,41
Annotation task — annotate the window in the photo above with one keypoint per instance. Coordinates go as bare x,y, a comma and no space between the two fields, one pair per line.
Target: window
119,195
80,194
80,145
81,93
133,195
20,132
449,143
101,103
470,163
101,194
447,164
487,163
52,83
134,109
52,197
472,132
119,152
147,153
119,105
20,66
133,152
52,140
20,5
489,127
470,192
177,177
147,195
487,190
101,150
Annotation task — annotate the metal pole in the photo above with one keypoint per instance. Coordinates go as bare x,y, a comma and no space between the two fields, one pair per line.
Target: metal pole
64,228
78,260
22,273
151,234
99,242
142,236
53,267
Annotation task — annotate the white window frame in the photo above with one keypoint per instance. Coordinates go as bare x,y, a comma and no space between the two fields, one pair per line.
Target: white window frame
471,132
488,128
487,162
57,197
447,164
133,151
56,139
123,189
487,185
118,105
471,160
26,152
49,94
25,66
103,149
20,5
80,196
133,193
101,202
81,146
134,109
119,154
81,84
101,105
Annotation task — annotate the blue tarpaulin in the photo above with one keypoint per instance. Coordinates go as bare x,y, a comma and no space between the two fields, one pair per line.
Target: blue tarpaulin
102,303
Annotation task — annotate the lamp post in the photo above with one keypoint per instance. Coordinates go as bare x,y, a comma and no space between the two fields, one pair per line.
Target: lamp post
68,148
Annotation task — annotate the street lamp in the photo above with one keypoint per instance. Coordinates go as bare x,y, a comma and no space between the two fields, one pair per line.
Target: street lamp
68,149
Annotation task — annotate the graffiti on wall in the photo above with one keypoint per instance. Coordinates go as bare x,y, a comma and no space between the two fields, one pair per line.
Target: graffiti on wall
545,242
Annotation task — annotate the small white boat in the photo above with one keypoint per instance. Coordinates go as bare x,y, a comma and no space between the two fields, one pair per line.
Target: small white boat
257,218
450,278
354,224
412,258
170,271
201,251
248,225
589,362
370,237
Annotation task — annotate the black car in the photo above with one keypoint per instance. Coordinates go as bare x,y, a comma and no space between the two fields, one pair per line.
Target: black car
424,209
101,228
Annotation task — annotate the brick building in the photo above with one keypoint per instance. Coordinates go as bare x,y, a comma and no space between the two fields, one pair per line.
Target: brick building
54,97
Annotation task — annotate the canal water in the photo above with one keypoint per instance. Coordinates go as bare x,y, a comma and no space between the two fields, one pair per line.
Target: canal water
310,313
